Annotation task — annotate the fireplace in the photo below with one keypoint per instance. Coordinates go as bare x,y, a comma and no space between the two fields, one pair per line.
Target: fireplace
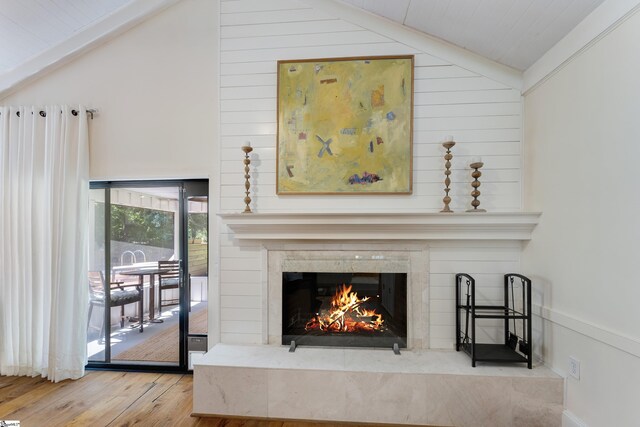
301,277
354,309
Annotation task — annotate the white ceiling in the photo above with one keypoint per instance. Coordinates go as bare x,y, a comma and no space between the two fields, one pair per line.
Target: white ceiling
513,32
30,27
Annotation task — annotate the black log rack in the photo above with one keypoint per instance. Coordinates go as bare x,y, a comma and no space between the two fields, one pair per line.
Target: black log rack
515,311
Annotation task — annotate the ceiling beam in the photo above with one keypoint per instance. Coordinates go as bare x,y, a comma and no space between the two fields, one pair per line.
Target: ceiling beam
100,32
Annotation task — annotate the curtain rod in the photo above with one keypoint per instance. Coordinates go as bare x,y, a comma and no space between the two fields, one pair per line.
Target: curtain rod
90,112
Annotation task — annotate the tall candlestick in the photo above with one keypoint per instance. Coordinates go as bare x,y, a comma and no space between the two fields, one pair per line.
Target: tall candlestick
448,144
247,161
475,184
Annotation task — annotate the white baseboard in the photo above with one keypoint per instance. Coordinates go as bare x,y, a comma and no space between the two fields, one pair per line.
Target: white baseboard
570,420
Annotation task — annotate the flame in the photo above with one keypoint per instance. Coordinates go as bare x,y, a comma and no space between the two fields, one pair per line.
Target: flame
346,314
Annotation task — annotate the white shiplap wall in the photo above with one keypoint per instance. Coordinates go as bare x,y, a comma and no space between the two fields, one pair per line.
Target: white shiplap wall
483,115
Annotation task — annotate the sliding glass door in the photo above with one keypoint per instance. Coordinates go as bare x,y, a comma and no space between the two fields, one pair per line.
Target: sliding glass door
197,195
140,274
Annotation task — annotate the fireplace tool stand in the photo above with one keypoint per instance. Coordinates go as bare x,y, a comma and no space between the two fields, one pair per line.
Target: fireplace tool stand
517,347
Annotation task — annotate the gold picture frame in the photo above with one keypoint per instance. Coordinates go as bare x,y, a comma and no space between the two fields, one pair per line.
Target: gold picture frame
345,126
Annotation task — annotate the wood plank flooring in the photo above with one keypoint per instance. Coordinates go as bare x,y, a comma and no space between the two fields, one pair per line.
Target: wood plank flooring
107,398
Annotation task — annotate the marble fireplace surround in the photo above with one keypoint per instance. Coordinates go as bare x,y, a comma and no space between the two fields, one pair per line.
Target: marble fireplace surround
421,386
346,258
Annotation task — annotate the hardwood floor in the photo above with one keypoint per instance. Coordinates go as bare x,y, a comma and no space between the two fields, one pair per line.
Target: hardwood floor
107,398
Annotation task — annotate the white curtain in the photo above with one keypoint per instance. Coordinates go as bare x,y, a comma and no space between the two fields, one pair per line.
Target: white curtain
44,185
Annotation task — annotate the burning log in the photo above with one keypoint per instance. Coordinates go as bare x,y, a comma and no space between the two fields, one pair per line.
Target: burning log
346,314
341,312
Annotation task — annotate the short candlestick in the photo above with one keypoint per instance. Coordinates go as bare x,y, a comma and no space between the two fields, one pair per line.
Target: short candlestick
475,184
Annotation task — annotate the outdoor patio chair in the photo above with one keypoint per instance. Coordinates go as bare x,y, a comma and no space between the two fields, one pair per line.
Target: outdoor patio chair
118,296
169,280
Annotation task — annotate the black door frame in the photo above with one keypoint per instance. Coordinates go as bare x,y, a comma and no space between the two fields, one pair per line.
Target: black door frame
185,187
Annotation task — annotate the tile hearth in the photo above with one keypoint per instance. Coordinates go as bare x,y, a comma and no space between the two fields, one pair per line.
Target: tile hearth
365,385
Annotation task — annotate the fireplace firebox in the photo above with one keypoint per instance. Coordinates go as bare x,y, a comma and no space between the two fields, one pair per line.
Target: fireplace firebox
344,309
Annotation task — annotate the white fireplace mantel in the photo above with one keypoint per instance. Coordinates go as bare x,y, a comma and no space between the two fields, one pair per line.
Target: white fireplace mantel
385,226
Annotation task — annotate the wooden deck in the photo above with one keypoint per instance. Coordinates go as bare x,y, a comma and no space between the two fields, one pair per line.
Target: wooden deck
107,398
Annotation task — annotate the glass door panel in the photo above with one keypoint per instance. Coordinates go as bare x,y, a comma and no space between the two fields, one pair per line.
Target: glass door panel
198,256
96,323
144,231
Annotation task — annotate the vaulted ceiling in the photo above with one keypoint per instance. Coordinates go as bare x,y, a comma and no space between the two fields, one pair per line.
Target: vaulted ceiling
513,32
30,27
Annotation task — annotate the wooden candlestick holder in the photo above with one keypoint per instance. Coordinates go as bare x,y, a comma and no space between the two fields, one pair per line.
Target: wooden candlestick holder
475,184
247,185
447,172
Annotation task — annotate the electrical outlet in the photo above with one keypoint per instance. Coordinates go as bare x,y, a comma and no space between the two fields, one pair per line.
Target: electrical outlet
574,367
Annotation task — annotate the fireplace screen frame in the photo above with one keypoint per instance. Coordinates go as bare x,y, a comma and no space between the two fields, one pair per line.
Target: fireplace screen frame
308,296
322,256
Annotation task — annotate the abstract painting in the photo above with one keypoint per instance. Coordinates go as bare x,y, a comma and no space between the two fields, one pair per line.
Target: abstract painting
345,126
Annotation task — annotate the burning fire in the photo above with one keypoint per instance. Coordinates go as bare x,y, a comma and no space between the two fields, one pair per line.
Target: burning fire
346,314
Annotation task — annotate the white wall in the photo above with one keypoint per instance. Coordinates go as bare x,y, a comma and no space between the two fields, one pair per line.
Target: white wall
156,89
582,146
475,101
